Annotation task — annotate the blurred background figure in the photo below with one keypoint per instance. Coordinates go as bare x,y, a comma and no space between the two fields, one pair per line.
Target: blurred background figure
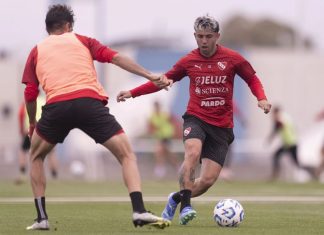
163,127
283,126
23,154
320,169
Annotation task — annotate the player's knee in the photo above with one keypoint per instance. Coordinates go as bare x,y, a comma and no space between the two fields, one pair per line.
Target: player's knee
193,154
126,158
35,154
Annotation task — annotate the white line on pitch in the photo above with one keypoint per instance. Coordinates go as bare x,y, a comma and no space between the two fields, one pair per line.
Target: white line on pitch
313,199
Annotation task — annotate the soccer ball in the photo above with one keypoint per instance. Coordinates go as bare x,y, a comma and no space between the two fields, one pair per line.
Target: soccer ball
228,213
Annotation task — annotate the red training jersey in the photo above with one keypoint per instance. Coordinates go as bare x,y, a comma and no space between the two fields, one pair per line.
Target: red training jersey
211,84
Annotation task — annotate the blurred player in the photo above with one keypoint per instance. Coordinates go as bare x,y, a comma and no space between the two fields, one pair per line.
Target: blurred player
320,169
25,145
208,121
63,65
162,128
283,126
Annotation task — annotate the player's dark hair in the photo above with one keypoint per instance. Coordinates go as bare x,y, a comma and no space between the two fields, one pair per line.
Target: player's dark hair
57,16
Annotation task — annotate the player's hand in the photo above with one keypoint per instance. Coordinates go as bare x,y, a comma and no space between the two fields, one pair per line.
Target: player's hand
170,84
265,105
123,95
161,81
31,129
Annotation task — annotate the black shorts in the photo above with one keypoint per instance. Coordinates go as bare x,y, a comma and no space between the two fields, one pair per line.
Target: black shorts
25,145
87,114
215,140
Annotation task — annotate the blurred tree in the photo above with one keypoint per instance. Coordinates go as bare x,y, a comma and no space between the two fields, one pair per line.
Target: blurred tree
240,31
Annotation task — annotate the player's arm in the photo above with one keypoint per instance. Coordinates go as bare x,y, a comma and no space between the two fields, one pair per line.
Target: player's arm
31,90
146,88
104,54
31,110
173,75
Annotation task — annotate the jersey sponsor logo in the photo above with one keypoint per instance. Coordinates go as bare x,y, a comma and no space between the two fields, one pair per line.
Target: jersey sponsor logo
214,90
198,66
211,90
212,102
222,65
187,131
210,80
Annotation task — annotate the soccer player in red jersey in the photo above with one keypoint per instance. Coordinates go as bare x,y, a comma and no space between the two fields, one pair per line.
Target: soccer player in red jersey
63,65
208,121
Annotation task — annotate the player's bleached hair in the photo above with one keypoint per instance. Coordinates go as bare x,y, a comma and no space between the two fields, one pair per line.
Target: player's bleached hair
206,22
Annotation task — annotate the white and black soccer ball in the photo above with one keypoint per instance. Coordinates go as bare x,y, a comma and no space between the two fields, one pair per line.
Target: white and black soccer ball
228,213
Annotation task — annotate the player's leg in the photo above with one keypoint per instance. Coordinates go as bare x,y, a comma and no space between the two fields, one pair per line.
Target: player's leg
213,157
53,126
294,154
276,163
121,149
38,151
209,173
213,154
191,160
99,124
193,136
187,179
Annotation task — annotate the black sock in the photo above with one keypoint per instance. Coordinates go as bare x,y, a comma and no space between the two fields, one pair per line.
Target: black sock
185,198
40,207
176,197
137,202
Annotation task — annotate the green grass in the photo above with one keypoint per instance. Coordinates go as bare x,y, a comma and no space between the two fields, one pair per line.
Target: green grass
266,218
163,188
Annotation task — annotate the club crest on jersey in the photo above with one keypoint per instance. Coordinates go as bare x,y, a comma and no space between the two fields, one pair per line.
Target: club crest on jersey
187,131
222,65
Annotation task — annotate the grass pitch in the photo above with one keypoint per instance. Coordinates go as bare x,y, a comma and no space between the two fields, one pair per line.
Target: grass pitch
277,217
